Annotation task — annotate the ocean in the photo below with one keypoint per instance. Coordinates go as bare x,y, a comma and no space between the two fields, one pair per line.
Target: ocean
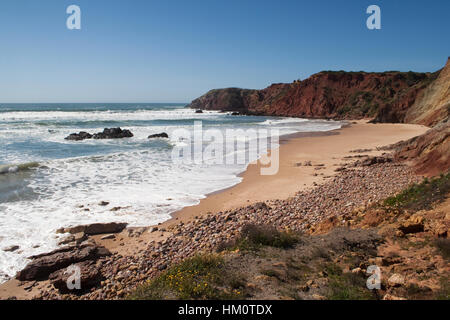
47,182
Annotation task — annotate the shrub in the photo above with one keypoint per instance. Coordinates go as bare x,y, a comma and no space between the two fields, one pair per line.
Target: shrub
423,195
253,236
349,286
443,246
194,278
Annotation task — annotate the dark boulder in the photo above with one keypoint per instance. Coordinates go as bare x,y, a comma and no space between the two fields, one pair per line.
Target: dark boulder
90,276
158,135
370,161
235,113
79,136
199,111
113,133
95,228
43,265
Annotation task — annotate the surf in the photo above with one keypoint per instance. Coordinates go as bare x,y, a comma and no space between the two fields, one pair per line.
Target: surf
14,168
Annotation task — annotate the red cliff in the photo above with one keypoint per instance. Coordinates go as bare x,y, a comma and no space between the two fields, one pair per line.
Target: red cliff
387,97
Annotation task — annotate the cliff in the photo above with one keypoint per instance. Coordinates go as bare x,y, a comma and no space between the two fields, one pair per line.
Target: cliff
391,96
433,104
429,153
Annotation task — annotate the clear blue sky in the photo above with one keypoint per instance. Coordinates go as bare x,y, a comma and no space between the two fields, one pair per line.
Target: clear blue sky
174,51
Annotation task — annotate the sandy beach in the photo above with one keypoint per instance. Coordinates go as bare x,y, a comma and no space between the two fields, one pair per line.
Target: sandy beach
305,161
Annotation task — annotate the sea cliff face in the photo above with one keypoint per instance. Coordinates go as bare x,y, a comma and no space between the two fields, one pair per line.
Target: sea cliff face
429,153
387,97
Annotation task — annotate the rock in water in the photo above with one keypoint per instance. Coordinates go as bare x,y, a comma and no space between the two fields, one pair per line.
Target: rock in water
199,111
113,133
158,135
11,248
79,136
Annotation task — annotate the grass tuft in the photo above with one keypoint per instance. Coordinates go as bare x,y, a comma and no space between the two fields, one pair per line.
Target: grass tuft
252,237
259,235
199,277
443,245
421,196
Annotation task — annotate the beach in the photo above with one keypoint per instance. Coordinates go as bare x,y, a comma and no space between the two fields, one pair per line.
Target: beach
306,162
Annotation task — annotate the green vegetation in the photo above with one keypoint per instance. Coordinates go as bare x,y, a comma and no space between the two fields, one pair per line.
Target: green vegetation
423,195
199,277
361,103
254,236
444,292
346,286
272,273
443,245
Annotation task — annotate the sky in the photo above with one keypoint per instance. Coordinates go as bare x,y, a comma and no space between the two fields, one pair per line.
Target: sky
175,51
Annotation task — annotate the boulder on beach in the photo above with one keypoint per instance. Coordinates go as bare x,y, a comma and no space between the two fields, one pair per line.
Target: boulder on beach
95,228
43,265
199,111
158,135
79,136
113,133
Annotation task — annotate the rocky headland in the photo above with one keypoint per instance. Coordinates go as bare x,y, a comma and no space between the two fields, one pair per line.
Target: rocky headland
392,96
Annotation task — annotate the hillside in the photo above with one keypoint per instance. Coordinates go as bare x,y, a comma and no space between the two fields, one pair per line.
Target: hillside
391,96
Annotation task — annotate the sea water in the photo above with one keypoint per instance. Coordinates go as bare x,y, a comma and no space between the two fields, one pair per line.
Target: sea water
47,182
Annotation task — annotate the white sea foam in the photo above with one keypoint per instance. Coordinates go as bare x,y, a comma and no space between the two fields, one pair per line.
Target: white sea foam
136,176
106,115
274,122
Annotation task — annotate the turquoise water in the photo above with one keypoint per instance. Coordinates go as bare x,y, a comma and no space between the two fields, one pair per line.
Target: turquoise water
47,182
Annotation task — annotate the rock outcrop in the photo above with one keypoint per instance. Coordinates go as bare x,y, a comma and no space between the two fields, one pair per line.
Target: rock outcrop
108,133
387,97
43,265
428,153
79,136
158,135
113,133
432,106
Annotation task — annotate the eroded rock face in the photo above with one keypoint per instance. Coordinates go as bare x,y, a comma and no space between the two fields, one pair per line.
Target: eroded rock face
328,94
433,104
429,153
43,265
